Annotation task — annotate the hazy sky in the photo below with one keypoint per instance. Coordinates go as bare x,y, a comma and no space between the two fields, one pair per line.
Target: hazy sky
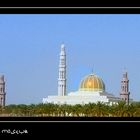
30,46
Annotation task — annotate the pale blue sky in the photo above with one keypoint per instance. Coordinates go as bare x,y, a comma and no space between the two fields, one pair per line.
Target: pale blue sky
30,46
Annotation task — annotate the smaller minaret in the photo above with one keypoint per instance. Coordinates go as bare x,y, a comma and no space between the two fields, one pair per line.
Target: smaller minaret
62,72
124,94
2,91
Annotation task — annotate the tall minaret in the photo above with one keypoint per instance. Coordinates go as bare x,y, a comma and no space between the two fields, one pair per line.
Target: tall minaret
124,94
62,72
2,91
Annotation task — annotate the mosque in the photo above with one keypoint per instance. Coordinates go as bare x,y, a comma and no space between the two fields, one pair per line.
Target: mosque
91,89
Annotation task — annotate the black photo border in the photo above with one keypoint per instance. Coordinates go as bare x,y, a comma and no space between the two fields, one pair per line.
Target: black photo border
70,126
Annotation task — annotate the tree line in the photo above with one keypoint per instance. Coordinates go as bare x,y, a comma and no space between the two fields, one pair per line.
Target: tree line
87,110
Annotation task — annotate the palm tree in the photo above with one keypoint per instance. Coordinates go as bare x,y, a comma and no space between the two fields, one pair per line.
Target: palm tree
1,110
121,109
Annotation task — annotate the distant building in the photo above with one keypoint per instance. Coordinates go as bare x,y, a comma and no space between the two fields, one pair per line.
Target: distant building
91,89
124,94
2,91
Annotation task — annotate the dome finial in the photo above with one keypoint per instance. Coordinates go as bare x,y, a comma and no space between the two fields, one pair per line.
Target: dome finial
92,70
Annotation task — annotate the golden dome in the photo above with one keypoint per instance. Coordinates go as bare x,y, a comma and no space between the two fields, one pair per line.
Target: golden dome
92,83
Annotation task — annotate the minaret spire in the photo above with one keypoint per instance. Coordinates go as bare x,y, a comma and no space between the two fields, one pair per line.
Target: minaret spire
2,91
62,72
124,94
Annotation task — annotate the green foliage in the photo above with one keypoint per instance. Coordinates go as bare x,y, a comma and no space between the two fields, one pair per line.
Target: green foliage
88,110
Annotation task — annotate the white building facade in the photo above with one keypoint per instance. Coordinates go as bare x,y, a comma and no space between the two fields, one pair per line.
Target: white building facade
91,89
